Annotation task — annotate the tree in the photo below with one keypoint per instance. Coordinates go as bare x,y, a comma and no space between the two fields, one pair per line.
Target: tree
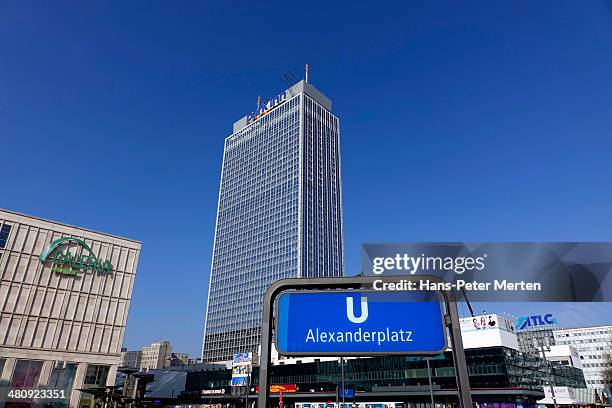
607,373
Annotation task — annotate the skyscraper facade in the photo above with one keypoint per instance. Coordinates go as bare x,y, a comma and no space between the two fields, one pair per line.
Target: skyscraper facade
279,213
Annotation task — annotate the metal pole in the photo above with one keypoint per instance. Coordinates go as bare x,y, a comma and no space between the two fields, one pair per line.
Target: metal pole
342,370
248,387
337,395
461,373
266,349
430,384
550,374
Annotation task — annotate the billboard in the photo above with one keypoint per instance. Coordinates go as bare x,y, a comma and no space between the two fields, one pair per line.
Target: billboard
241,369
488,330
242,359
485,322
277,388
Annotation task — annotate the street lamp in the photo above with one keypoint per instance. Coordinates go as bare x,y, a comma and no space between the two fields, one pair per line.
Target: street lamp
551,374
342,364
248,387
430,383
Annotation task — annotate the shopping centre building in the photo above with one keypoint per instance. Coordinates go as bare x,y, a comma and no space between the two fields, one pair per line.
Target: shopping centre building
64,298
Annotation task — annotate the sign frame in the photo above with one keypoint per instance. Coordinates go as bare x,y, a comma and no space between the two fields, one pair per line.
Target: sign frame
451,319
355,354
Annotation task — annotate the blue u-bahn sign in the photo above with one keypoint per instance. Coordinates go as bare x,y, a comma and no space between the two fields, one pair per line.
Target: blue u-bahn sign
359,323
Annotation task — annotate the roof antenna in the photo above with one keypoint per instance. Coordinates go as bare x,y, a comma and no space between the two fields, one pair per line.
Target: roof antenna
306,72
258,101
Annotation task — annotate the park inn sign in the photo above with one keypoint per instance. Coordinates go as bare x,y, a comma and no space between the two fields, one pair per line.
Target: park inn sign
64,263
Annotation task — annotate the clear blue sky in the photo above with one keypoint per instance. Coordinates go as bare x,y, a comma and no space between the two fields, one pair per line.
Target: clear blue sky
460,121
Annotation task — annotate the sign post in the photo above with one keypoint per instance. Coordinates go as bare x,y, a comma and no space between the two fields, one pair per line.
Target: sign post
348,317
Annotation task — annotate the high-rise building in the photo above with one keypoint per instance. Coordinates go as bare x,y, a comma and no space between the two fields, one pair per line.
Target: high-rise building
154,355
594,344
279,213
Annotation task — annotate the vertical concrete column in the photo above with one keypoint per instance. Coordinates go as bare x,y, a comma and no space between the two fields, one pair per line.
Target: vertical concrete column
79,378
112,375
7,372
5,378
45,374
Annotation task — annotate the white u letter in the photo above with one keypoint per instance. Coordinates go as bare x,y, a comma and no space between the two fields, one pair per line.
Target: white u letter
350,311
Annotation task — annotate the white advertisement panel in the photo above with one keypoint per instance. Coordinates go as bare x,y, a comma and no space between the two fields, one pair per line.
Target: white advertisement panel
488,331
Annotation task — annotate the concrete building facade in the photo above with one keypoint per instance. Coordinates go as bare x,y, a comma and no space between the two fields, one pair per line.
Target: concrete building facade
64,298
154,356
530,341
131,359
564,354
593,345
279,213
177,359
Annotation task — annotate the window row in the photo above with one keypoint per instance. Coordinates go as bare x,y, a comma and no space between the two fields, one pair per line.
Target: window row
45,302
59,335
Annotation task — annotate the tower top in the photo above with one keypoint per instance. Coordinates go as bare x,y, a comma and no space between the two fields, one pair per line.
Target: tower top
298,88
306,72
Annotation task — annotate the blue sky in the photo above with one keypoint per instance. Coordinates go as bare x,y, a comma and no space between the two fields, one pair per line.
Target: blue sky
460,122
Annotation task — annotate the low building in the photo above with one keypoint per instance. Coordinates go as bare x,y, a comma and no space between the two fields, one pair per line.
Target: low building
593,344
497,375
154,356
177,359
564,354
131,359
65,293
530,341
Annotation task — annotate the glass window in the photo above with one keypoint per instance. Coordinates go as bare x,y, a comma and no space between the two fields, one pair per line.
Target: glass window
4,233
26,374
96,375
62,378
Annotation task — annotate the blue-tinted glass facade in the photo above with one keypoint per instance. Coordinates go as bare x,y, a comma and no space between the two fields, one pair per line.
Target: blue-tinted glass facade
279,216
321,203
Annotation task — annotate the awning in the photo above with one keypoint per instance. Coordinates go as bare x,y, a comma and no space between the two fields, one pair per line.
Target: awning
560,401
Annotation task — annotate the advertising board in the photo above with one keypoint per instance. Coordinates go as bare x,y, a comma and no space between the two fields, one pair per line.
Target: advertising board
241,369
